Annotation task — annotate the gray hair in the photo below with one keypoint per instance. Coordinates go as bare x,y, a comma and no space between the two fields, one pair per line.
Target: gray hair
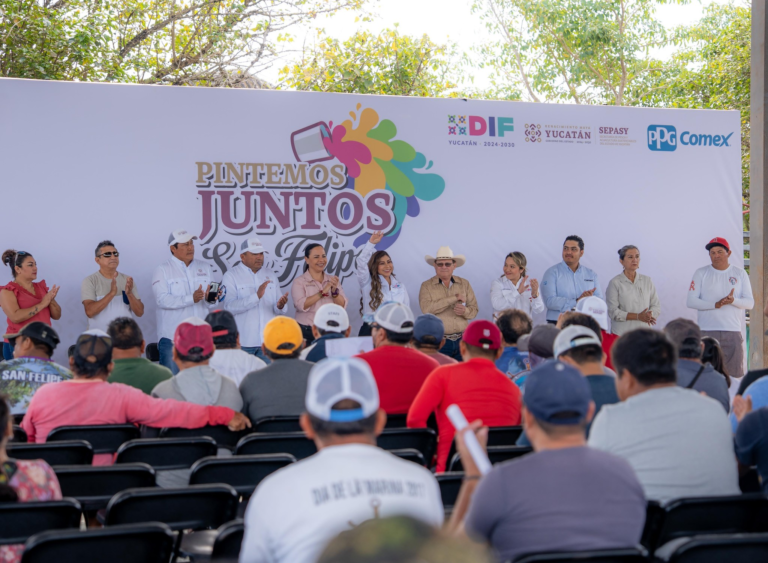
624,249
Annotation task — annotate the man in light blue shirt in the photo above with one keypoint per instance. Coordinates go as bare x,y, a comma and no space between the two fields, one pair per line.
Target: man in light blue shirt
565,283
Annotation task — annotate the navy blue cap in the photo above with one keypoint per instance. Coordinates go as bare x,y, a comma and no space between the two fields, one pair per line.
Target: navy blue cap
428,325
555,388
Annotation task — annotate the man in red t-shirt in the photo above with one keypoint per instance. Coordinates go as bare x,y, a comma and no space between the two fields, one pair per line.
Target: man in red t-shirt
476,385
399,371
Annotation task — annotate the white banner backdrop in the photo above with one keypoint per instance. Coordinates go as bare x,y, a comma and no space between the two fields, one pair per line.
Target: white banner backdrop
80,163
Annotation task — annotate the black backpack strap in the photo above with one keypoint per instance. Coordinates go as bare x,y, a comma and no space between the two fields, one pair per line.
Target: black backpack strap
695,378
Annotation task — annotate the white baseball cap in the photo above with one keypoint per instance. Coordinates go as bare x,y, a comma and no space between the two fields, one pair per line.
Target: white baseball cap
332,317
595,308
395,316
574,336
335,379
180,236
252,245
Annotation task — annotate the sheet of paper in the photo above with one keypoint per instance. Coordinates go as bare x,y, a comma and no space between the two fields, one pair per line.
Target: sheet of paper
348,347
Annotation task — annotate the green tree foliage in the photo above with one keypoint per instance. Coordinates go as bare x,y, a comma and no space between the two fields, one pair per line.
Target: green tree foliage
387,63
202,42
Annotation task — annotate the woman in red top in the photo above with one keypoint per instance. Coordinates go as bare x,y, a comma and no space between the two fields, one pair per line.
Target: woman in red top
23,301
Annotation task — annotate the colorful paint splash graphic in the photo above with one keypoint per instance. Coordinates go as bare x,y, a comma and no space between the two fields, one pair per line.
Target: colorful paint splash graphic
376,161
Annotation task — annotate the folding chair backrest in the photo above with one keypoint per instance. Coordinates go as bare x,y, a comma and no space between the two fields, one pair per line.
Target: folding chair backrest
148,543
94,485
411,455
277,424
104,438
20,520
397,421
421,439
496,454
222,435
244,473
19,435
629,555
721,548
166,453
293,443
497,436
226,547
450,483
196,507
72,452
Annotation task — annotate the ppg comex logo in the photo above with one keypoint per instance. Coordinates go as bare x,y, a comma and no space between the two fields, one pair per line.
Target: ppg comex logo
662,137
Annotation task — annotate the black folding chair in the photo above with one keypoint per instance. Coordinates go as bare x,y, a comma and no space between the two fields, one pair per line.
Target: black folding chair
19,435
396,421
73,452
229,539
243,473
729,548
222,435
93,486
197,507
104,438
20,520
629,555
411,455
152,352
497,436
422,439
496,454
293,443
705,515
450,483
277,424
166,453
134,543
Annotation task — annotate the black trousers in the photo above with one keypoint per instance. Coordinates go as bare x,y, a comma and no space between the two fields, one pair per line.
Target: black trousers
306,332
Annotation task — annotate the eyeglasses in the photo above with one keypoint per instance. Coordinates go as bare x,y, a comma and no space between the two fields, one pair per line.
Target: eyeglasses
109,254
443,264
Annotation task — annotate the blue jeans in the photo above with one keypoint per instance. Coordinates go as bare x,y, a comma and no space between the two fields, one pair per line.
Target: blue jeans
165,347
7,351
451,349
258,352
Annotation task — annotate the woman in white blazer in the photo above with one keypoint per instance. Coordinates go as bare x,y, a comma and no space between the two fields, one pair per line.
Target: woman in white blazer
514,290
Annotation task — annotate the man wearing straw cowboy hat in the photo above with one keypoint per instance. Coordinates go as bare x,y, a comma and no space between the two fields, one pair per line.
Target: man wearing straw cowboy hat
448,297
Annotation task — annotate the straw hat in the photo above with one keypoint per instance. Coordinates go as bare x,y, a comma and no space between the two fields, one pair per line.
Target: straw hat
445,253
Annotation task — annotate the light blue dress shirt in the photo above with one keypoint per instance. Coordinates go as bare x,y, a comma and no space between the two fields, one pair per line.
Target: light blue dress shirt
561,286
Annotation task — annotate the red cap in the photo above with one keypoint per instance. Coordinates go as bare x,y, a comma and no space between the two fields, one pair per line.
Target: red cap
483,334
193,333
719,241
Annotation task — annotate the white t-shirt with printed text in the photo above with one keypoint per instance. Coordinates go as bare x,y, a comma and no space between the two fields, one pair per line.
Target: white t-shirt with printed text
296,511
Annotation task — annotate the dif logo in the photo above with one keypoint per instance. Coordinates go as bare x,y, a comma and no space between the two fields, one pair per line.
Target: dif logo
476,126
662,137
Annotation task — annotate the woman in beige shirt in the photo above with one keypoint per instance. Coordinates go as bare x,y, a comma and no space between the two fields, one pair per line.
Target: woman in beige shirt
631,296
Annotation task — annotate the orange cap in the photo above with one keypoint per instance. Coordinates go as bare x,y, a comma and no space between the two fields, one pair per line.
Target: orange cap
283,330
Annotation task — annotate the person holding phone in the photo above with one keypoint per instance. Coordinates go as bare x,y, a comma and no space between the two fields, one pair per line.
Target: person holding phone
109,294
182,288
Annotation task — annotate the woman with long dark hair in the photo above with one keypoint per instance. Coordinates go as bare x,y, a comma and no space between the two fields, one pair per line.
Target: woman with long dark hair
21,480
314,288
23,300
713,354
378,284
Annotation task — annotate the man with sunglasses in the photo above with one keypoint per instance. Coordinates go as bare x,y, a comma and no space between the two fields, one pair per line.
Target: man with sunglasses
448,297
109,294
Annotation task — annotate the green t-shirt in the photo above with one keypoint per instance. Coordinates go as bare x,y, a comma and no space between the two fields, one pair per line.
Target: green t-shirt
139,373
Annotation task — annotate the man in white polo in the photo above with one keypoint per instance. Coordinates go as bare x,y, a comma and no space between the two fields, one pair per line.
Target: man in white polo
180,286
720,293
253,296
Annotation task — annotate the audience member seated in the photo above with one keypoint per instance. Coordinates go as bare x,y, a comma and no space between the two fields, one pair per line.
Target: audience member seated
130,367
331,322
539,345
677,440
21,480
88,399
229,359
402,539
565,496
429,337
752,436
713,354
197,382
297,510
685,335
756,392
596,308
31,366
513,324
279,388
399,370
475,384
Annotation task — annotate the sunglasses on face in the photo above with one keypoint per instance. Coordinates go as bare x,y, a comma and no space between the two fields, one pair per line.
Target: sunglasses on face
443,264
109,254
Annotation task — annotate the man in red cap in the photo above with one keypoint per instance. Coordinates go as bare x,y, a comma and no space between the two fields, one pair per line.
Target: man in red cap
720,292
476,385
